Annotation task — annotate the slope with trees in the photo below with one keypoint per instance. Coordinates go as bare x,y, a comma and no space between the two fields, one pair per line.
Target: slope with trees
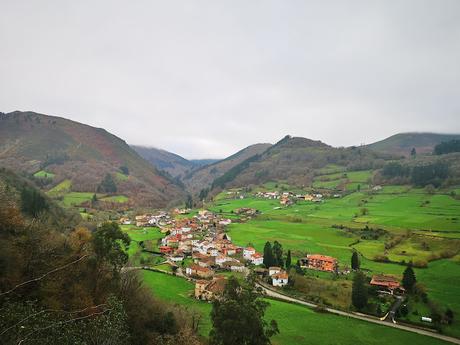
81,154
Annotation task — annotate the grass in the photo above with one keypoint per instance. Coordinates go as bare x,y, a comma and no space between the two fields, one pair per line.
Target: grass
77,198
61,188
44,174
298,325
115,198
121,177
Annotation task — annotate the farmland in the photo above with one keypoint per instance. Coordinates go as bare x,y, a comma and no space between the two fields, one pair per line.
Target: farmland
297,324
421,227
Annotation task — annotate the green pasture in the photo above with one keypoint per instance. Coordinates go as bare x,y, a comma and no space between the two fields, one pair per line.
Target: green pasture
115,198
62,187
298,325
44,174
77,198
121,177
299,237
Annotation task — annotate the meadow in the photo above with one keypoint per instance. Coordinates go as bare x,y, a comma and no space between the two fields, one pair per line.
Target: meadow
426,225
298,325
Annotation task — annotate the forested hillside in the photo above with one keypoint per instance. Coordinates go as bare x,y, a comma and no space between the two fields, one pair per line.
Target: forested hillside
296,161
202,178
63,283
56,150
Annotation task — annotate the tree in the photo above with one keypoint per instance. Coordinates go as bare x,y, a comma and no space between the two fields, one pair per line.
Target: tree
268,255
124,169
278,254
238,316
413,153
359,293
189,202
355,262
32,202
409,279
288,259
107,185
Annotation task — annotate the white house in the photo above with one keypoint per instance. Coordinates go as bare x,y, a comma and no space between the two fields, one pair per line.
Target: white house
257,259
248,252
273,270
221,259
176,258
280,279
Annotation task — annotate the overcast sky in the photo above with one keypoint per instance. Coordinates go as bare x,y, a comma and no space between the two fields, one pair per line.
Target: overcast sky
207,78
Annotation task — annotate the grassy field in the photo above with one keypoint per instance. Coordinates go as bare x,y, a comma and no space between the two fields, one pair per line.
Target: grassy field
307,228
44,174
115,198
298,325
121,177
61,188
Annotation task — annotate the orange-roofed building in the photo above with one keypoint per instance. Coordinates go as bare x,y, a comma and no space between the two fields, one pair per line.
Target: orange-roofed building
386,282
321,262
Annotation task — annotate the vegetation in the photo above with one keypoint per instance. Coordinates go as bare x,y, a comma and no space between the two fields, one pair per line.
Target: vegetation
238,316
359,294
447,147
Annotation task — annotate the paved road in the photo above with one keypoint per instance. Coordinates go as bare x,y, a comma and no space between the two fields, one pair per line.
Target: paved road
275,294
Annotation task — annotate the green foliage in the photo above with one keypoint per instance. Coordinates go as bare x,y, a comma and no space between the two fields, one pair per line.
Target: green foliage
124,169
447,147
409,280
278,254
189,201
355,262
288,259
269,259
110,244
238,317
107,185
33,202
359,293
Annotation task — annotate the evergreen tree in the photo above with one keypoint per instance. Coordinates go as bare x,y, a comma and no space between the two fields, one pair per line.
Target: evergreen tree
268,255
288,259
359,293
278,254
189,202
413,153
238,316
355,261
107,185
409,279
32,202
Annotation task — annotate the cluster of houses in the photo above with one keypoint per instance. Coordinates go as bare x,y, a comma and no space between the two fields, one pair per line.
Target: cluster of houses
288,198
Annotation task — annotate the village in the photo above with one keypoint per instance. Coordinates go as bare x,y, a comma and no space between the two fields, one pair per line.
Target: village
200,249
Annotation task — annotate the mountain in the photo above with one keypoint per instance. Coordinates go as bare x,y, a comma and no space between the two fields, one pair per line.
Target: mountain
402,143
80,156
203,177
297,160
173,164
202,162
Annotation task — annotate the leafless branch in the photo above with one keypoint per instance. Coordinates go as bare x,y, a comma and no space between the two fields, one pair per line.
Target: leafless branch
51,311
62,323
43,276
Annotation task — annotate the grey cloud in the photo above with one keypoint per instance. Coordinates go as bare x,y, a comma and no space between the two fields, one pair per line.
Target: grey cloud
207,78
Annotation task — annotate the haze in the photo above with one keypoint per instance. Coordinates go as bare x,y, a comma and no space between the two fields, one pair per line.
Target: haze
207,78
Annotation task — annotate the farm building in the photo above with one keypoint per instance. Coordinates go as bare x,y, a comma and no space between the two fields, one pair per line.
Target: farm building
387,283
319,262
208,290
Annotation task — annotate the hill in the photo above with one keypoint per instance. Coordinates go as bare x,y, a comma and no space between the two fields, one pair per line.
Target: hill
296,161
173,164
79,156
203,177
402,143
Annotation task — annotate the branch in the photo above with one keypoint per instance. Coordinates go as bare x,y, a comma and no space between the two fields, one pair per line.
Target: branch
50,311
44,275
62,323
